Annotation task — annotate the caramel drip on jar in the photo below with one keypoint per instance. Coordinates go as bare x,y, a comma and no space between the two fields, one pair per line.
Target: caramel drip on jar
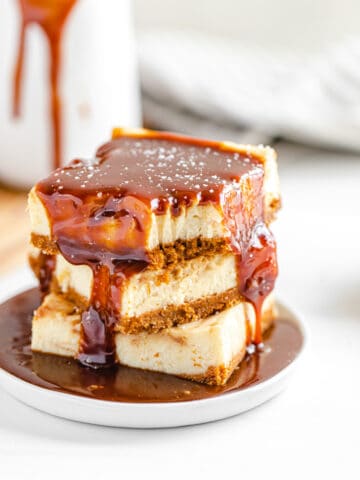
50,16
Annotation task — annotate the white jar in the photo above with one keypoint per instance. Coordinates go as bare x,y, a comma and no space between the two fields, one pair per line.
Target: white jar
98,86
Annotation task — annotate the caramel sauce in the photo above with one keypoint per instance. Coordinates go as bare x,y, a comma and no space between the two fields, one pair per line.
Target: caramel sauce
47,265
50,16
101,211
282,343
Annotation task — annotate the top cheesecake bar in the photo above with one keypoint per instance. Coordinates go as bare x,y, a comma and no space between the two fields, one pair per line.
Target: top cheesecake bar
155,197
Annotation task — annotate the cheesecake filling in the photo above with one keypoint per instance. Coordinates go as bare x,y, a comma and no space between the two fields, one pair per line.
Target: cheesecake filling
100,215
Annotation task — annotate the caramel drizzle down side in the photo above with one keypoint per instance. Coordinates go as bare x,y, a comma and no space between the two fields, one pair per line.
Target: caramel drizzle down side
51,17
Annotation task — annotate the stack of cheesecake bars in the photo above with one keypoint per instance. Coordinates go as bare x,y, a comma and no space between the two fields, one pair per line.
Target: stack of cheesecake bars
157,255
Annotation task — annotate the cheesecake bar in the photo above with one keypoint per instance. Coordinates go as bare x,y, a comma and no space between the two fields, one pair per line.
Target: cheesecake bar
206,350
155,299
158,238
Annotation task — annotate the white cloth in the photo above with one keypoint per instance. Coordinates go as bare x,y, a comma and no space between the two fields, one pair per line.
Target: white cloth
201,85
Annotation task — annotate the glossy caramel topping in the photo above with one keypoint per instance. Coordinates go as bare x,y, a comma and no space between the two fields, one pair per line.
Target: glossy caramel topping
155,170
101,212
282,344
106,203
50,16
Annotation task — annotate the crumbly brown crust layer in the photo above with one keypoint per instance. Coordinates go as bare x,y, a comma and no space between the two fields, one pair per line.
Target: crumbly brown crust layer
174,315
164,256
180,251
42,242
171,316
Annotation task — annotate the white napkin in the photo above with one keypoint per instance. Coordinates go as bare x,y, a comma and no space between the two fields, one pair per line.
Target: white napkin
205,86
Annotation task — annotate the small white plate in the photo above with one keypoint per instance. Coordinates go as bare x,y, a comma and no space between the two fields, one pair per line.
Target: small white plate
143,415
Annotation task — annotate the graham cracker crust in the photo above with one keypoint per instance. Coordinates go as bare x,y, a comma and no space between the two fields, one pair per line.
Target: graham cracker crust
173,315
163,256
156,320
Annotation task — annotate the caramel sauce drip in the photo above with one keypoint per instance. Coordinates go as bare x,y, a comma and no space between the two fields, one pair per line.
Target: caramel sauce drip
101,213
47,265
50,16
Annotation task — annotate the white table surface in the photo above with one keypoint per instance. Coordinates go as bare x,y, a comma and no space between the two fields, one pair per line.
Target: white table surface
310,431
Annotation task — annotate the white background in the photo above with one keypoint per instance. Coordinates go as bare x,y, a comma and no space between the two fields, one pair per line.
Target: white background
304,25
310,431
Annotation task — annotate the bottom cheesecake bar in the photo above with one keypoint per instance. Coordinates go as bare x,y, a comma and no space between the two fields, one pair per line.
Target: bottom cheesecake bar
206,350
